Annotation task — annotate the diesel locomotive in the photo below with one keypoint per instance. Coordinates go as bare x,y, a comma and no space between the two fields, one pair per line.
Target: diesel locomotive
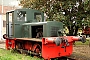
28,31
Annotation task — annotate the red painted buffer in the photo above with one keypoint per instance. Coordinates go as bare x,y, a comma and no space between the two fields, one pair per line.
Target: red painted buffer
59,46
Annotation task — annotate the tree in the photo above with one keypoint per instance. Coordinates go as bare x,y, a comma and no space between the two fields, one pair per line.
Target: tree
73,13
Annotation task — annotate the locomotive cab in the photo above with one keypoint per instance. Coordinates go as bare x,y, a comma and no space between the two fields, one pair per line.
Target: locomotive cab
26,23
15,19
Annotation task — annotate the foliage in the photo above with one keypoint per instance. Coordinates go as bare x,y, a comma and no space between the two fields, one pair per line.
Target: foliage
73,13
80,43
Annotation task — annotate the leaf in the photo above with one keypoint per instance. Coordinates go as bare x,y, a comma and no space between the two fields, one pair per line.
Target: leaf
75,10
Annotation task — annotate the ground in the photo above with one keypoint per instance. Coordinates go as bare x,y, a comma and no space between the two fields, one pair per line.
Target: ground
2,44
80,52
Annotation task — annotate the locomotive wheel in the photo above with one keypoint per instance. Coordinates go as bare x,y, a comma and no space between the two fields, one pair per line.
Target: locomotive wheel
36,49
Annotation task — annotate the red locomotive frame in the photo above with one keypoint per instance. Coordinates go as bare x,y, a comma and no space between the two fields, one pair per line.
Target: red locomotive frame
49,47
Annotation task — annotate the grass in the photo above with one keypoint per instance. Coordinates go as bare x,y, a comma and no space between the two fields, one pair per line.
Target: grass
7,55
80,43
